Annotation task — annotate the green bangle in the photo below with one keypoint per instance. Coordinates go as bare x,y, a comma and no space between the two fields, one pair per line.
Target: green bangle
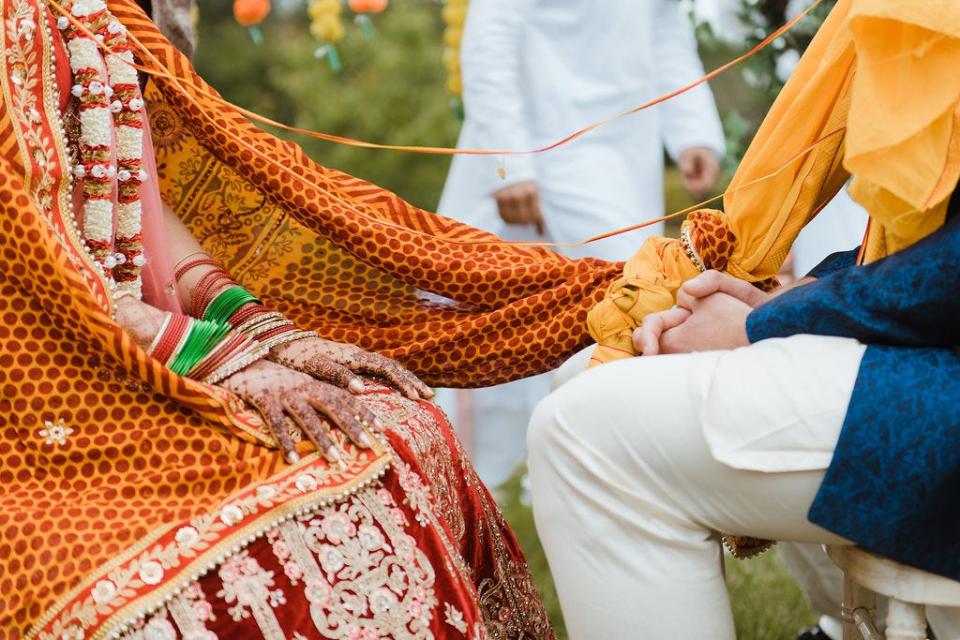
196,339
227,303
204,337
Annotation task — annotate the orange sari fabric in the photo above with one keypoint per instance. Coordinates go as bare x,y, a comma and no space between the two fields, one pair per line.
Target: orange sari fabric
107,458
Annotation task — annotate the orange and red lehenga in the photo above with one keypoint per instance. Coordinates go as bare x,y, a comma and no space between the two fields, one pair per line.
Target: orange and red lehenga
135,503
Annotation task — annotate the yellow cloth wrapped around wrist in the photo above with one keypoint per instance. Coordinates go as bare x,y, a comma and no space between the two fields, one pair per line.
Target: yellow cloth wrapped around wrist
649,283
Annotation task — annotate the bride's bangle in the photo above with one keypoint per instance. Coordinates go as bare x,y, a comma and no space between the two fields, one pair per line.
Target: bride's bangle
163,328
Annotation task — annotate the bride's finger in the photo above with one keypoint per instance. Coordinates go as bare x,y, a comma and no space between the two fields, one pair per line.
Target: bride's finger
329,371
306,418
393,372
272,411
347,413
321,368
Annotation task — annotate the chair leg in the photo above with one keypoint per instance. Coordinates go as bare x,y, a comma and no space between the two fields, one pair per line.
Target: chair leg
906,621
859,606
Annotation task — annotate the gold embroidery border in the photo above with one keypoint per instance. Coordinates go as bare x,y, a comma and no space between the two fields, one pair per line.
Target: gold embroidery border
109,626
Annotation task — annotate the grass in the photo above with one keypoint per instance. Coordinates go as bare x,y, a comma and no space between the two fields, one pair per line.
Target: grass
767,604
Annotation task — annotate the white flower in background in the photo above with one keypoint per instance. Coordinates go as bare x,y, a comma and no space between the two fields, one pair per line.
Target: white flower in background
795,8
786,63
55,432
722,16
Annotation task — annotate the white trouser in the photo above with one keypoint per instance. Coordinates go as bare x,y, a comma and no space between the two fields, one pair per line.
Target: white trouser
628,494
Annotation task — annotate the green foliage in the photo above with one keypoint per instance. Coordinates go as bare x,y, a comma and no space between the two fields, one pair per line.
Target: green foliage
391,89
762,17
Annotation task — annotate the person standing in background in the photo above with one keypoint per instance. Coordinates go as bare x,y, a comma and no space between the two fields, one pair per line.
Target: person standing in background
533,72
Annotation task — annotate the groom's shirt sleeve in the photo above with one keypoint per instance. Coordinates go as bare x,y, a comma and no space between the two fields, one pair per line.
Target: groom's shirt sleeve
911,298
835,262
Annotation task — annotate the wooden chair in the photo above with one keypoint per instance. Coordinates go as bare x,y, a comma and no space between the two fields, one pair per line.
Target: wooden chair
909,591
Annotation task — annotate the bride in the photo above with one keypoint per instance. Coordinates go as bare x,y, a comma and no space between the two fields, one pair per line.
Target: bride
190,444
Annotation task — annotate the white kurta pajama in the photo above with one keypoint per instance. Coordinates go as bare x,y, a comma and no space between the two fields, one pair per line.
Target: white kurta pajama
535,71
637,466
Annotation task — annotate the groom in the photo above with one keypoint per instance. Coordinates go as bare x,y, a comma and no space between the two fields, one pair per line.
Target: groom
825,414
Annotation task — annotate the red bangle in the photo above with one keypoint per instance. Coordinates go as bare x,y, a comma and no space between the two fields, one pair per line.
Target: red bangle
246,312
170,338
202,294
275,332
230,346
197,262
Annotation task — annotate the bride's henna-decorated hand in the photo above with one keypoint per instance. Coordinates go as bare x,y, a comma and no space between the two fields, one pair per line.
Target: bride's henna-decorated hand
139,319
339,363
276,391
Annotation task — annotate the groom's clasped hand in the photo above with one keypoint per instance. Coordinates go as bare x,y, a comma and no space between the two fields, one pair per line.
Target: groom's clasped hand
711,313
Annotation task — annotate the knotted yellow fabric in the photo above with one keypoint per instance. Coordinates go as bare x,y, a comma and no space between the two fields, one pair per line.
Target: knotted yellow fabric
876,96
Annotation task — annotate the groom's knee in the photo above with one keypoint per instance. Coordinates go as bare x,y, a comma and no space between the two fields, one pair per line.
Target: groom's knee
541,430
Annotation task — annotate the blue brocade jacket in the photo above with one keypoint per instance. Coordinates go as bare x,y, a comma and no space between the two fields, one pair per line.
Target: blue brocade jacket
893,486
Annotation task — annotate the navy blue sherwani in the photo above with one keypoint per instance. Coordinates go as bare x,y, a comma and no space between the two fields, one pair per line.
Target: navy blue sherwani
893,486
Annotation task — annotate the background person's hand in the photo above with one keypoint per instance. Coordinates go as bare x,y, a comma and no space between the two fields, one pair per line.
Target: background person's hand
339,364
699,167
277,392
519,204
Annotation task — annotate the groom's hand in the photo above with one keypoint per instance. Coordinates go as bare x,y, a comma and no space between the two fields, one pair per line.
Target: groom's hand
710,282
711,313
716,321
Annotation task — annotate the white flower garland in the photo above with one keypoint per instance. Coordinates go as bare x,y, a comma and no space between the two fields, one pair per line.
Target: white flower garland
111,131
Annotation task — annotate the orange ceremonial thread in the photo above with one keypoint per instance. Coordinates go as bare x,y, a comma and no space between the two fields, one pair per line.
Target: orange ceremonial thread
160,71
691,208
512,152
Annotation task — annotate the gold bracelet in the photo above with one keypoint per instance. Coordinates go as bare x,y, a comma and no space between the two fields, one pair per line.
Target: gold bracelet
262,323
287,338
688,249
242,361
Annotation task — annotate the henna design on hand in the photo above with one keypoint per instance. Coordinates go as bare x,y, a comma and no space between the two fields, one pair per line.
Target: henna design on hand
339,363
278,392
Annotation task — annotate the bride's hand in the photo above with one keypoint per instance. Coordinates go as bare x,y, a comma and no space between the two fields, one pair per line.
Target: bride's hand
340,363
276,391
139,319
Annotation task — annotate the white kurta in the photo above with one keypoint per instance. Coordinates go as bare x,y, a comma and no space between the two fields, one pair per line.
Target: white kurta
535,71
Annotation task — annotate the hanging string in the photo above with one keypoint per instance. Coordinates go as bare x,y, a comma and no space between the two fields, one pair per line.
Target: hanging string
158,70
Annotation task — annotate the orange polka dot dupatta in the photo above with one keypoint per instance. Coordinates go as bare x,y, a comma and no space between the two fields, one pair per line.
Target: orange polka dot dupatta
121,482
